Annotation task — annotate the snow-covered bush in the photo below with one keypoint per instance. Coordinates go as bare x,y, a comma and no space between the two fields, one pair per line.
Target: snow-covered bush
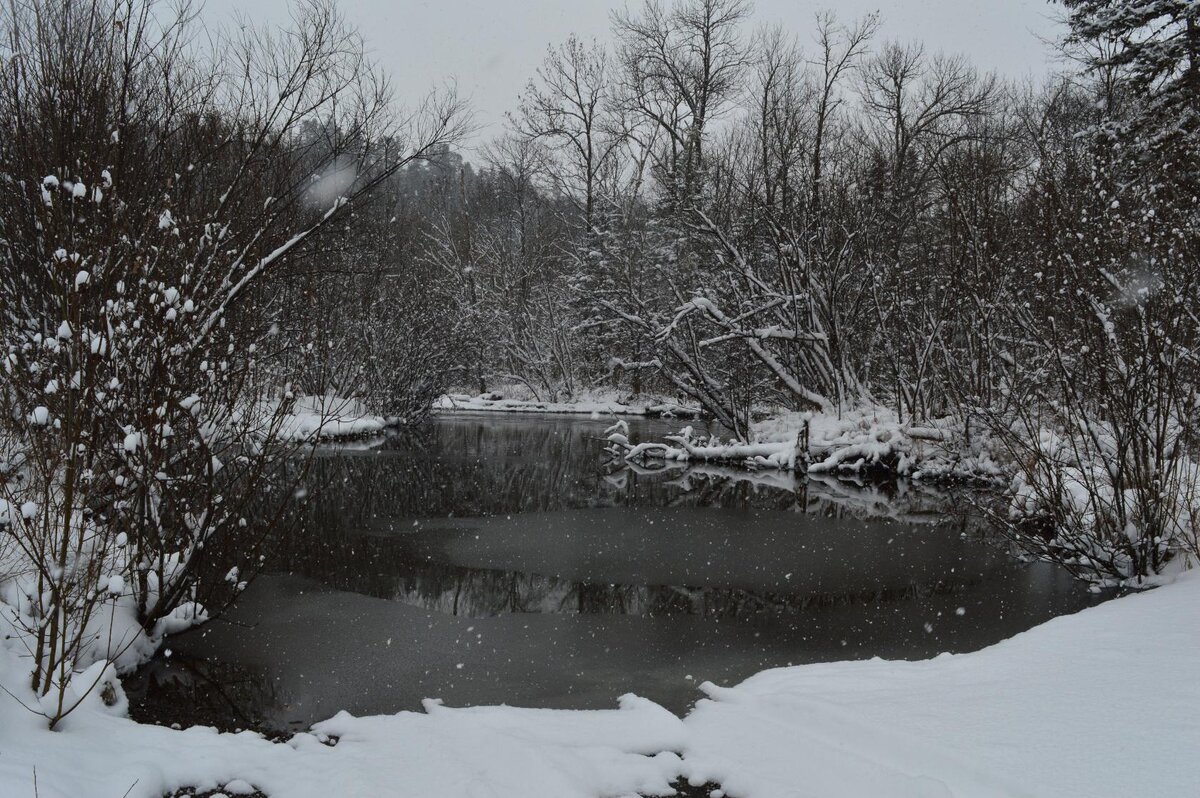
1112,510
62,584
1100,395
153,197
389,340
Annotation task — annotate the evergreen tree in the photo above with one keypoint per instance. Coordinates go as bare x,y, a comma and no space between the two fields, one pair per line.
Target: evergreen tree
1149,51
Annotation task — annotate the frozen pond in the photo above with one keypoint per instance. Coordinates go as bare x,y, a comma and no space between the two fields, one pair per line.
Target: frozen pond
495,559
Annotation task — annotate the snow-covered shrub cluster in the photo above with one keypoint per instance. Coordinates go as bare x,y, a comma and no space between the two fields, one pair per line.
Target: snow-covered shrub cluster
1102,437
154,201
311,418
1081,501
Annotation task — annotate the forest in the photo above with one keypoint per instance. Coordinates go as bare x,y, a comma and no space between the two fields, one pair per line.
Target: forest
911,267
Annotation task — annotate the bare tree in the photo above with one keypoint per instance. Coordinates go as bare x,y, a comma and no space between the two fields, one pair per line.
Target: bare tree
568,107
681,68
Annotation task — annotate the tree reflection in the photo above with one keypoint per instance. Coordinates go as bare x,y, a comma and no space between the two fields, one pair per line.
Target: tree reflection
223,695
481,593
354,532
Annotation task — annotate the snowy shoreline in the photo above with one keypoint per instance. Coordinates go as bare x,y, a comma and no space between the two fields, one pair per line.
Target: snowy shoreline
593,406
330,418
857,443
997,722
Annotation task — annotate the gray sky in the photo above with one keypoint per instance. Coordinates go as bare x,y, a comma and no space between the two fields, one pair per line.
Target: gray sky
492,47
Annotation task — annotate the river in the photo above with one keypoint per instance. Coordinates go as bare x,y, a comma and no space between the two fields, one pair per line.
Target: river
490,559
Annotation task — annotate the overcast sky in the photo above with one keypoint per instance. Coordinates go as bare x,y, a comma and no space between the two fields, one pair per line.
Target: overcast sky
492,47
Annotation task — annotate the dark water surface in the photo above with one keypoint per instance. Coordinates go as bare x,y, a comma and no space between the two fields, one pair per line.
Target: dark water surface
499,559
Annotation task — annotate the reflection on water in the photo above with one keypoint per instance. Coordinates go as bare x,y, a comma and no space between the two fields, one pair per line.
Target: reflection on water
499,559
478,593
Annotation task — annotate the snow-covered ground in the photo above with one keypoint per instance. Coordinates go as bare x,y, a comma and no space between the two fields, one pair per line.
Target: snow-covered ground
599,404
450,753
1102,703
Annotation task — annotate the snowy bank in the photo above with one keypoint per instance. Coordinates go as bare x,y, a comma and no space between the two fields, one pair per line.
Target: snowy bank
1102,703
595,405
315,418
444,753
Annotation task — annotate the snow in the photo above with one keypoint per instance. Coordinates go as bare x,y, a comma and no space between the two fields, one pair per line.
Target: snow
450,753
848,443
182,618
238,787
594,404
322,417
1102,703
